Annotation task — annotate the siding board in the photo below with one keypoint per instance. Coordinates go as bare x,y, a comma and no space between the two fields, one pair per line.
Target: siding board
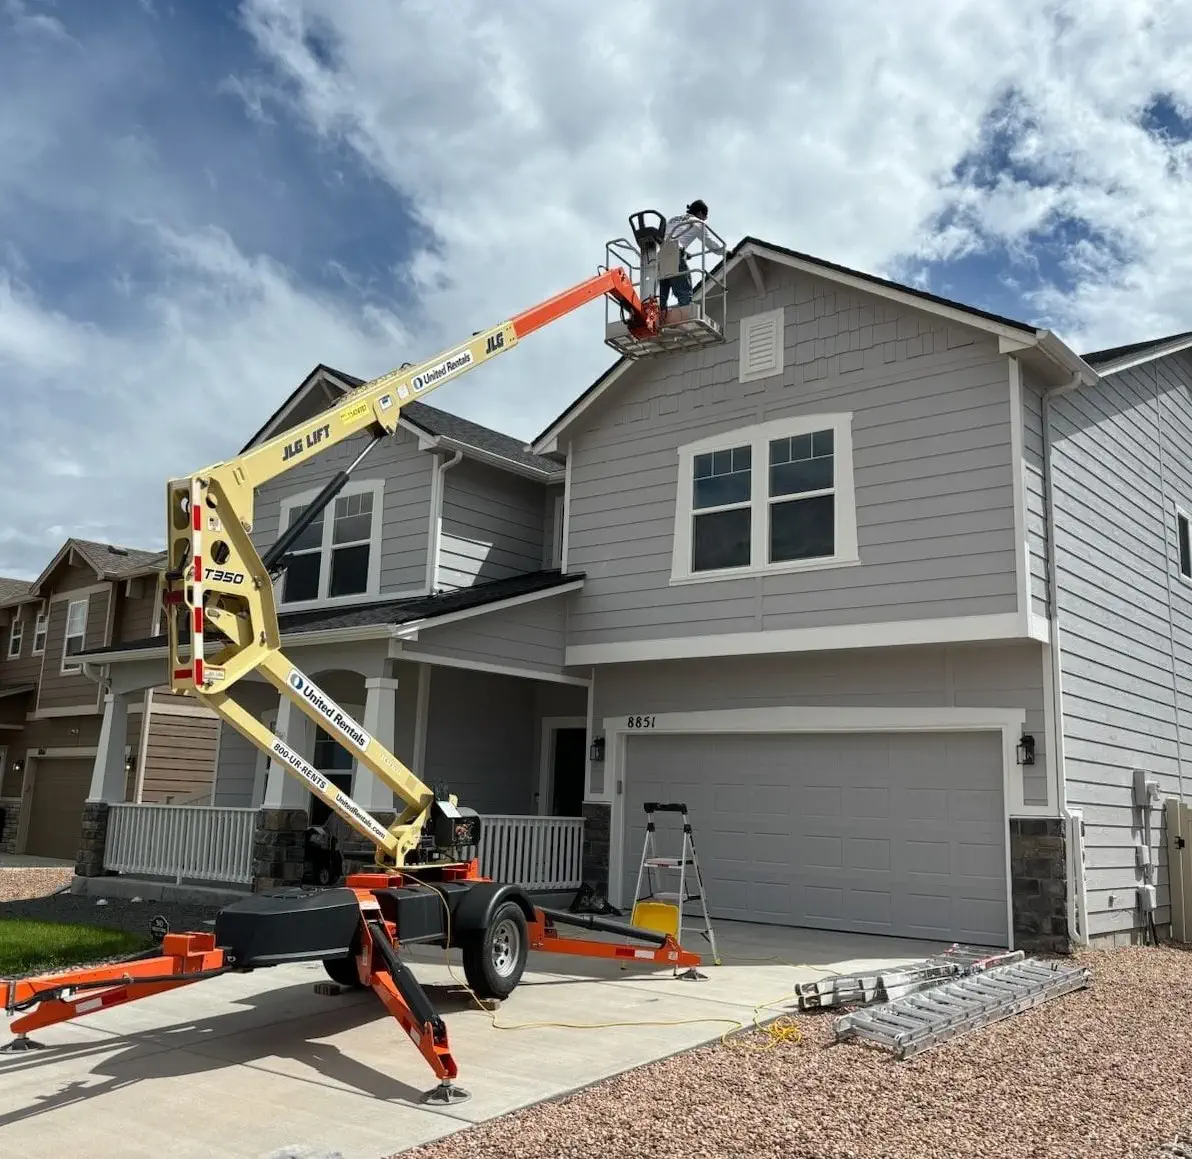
1118,469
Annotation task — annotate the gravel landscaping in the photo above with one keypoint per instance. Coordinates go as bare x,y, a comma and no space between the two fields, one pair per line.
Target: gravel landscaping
1104,1072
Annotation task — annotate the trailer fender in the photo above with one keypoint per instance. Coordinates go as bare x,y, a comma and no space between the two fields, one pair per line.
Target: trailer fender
474,911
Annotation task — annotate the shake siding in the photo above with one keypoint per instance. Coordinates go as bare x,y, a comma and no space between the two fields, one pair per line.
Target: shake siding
932,470
970,676
492,525
407,475
1119,469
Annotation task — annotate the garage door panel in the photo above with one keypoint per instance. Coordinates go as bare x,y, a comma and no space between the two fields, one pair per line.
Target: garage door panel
884,833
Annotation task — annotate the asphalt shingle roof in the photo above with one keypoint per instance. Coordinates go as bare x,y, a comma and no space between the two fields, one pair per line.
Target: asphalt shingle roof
402,611
1113,353
12,589
110,559
448,426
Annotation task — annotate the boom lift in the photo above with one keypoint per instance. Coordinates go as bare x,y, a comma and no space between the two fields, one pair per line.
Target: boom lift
426,887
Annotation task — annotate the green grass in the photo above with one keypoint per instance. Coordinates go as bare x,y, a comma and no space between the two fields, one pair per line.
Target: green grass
27,945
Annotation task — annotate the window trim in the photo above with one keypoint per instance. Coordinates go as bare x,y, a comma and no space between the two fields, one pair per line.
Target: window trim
65,668
43,619
354,487
758,436
16,635
1182,514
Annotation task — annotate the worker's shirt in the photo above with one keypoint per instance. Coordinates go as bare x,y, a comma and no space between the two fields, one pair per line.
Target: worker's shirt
686,227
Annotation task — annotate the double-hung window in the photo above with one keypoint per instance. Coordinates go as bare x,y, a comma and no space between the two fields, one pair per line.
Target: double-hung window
775,497
338,556
75,635
16,635
39,633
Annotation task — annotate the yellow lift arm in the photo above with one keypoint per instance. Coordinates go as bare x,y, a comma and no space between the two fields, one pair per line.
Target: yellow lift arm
215,581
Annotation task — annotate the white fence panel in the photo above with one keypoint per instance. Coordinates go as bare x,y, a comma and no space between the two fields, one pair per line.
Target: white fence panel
533,852
185,842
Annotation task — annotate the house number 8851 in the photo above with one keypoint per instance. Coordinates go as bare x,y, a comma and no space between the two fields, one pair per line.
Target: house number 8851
641,722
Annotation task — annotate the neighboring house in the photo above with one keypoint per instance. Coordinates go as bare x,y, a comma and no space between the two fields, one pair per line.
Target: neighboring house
90,595
887,589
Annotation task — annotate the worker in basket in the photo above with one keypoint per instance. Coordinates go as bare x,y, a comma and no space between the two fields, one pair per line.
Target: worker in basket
683,229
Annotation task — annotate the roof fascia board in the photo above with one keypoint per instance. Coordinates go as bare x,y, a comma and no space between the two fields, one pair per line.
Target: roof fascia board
864,286
1142,356
319,375
548,442
289,639
66,551
410,631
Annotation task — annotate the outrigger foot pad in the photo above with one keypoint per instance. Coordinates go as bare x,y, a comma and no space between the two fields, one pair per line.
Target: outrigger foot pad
692,975
21,1043
446,1093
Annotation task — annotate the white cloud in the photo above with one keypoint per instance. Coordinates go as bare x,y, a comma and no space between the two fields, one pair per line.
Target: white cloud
523,139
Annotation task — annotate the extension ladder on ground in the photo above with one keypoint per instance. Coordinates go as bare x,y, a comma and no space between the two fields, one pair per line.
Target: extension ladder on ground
663,909
916,1022
866,989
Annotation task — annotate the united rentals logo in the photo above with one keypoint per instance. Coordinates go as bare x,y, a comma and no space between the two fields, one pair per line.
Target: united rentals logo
329,710
445,369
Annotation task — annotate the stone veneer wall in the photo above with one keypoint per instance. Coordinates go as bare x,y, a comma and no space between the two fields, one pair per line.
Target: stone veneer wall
1039,884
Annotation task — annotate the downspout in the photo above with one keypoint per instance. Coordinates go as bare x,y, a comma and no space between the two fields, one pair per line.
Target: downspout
433,548
1077,910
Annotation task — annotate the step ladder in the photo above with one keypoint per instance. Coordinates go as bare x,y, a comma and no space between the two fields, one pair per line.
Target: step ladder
866,989
916,1022
663,909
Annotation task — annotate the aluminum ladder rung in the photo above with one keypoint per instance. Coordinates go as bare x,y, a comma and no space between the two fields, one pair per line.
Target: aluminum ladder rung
916,1022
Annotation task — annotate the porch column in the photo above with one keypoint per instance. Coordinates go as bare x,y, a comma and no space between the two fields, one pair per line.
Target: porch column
108,777
284,789
380,721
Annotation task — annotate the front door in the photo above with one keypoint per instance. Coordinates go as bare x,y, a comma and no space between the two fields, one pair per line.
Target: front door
335,763
568,771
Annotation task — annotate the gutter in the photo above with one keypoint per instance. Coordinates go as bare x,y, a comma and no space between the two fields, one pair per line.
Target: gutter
1077,909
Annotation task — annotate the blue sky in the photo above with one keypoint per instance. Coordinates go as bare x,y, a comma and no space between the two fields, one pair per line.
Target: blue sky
200,201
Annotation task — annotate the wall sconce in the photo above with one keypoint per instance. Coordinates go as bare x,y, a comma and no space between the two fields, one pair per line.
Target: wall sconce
596,752
1025,750
18,766
129,764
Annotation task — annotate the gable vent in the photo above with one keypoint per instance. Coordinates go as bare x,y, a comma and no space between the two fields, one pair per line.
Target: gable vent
761,345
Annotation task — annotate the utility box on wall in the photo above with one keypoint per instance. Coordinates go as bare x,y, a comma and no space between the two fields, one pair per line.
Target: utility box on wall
1179,868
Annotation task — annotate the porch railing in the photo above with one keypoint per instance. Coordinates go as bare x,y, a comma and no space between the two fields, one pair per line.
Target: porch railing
533,852
185,842
210,843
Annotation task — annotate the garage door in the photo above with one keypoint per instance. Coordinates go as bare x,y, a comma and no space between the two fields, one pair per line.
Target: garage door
60,788
900,834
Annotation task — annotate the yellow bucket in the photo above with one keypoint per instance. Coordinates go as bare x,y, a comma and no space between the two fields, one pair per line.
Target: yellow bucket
656,915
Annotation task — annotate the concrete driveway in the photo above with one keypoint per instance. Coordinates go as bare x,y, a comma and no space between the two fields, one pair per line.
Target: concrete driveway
259,1066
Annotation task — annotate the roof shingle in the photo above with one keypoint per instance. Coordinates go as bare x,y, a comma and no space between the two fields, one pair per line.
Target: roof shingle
392,612
12,589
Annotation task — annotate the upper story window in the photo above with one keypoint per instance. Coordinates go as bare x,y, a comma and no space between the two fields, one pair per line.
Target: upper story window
39,633
339,555
75,636
16,634
776,497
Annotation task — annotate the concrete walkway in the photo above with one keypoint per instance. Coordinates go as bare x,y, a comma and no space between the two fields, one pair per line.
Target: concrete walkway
31,861
258,1066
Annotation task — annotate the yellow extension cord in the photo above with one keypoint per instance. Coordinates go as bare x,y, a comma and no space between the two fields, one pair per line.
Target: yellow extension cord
778,1031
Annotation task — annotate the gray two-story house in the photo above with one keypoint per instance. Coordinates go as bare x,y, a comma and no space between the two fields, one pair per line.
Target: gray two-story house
884,588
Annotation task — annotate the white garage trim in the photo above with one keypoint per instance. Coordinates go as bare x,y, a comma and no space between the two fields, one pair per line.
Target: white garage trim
1008,721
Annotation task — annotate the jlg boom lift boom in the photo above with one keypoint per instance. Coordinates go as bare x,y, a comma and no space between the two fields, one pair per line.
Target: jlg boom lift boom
222,626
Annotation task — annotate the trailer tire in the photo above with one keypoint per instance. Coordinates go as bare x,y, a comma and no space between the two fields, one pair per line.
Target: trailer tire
343,972
495,958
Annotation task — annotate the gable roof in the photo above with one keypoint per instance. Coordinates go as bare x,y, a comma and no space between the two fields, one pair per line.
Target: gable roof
1014,334
109,561
429,422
